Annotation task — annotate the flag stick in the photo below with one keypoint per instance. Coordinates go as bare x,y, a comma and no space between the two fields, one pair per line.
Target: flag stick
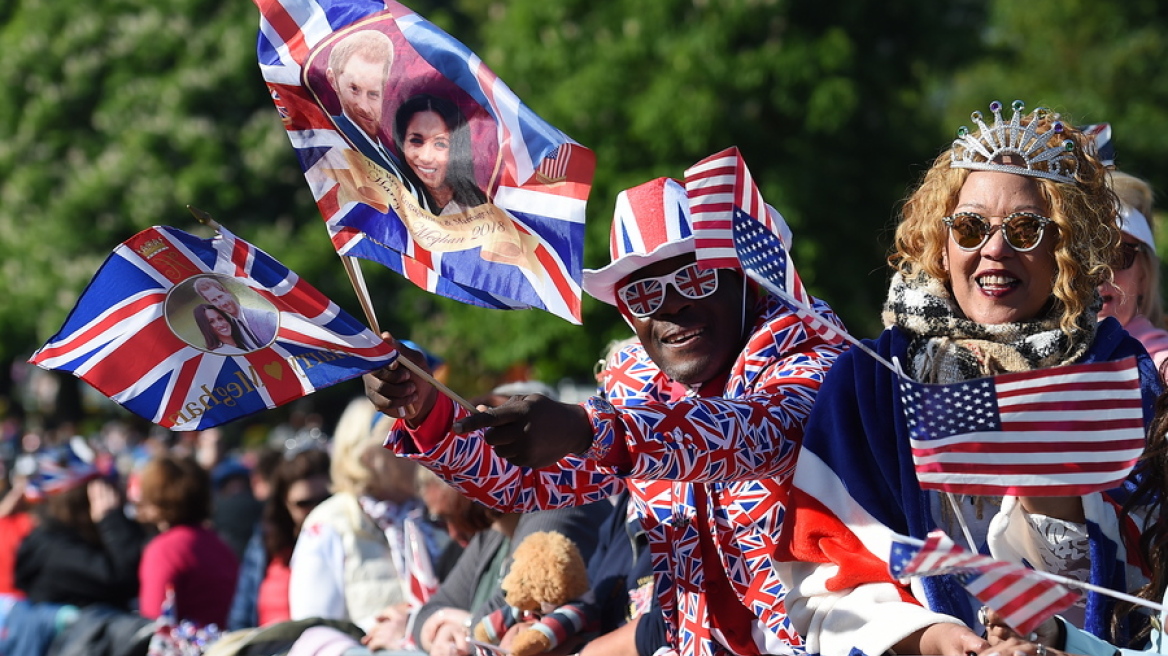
203,217
812,315
1074,583
353,269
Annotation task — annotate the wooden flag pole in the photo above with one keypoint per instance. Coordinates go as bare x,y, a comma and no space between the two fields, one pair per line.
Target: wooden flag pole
353,269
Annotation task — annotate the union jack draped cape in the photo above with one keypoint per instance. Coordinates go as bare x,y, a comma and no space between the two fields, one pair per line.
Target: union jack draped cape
132,335
524,248
856,486
726,483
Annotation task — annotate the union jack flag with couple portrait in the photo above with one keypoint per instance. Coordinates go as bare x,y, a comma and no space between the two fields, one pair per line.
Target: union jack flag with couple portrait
421,159
191,333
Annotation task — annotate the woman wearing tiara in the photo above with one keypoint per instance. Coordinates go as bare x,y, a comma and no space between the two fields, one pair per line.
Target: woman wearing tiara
996,263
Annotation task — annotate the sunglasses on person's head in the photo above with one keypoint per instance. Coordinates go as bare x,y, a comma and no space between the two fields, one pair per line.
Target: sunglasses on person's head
1125,256
645,296
970,231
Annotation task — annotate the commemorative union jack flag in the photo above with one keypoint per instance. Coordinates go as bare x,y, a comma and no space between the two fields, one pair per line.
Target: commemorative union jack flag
1062,431
192,333
1023,597
512,234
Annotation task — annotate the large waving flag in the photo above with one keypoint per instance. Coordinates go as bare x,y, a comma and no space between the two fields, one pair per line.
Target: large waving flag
1023,597
1063,431
192,333
421,159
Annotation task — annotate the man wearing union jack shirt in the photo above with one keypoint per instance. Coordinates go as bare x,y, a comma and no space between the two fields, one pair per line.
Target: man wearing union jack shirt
701,420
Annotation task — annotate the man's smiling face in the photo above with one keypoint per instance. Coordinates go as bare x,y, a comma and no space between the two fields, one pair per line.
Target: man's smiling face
693,340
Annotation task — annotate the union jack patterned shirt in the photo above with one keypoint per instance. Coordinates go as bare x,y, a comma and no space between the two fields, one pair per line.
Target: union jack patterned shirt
713,465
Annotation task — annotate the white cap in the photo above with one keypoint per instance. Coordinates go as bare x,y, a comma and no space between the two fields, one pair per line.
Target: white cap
1134,223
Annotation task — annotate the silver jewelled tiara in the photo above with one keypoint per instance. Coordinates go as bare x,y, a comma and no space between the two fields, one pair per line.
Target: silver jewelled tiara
1011,147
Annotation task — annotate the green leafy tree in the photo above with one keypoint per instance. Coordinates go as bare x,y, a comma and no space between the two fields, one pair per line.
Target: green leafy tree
826,103
1094,61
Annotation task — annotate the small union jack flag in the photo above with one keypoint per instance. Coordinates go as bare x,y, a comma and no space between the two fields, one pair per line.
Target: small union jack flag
192,333
1023,597
56,470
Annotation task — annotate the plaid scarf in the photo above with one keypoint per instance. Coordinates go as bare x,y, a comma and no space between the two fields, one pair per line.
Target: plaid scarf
948,348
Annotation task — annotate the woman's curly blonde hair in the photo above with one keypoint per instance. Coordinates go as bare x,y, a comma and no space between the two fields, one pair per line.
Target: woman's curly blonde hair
1084,213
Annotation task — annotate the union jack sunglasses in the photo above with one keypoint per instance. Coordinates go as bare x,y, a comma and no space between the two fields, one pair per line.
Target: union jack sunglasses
645,296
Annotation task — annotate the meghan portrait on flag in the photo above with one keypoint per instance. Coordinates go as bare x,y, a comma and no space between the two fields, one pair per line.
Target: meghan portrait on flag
433,137
996,261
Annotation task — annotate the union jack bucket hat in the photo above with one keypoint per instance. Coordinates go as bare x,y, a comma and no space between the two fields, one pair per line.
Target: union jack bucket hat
651,223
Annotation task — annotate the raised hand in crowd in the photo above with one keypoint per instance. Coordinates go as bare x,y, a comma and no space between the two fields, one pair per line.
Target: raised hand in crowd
396,391
103,499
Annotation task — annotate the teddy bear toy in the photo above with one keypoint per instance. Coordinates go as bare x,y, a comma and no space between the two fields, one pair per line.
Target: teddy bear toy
546,573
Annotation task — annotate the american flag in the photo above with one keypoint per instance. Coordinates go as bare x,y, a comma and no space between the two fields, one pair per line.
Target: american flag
1063,431
734,228
134,335
718,187
535,178
1023,597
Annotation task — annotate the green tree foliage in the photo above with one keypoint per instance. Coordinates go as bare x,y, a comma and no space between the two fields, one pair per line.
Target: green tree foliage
116,115
1094,61
824,101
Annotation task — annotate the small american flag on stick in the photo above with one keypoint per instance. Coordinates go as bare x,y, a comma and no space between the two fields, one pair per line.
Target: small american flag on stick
1023,597
734,228
1063,431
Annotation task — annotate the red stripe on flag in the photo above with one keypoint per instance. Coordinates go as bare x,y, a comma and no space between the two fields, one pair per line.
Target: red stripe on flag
1118,467
286,27
374,352
563,288
1028,447
1076,386
1072,425
1016,489
177,398
304,299
241,254
124,312
136,357
275,375
1071,405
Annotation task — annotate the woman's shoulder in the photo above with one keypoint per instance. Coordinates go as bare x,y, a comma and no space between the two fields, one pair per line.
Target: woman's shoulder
1112,341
